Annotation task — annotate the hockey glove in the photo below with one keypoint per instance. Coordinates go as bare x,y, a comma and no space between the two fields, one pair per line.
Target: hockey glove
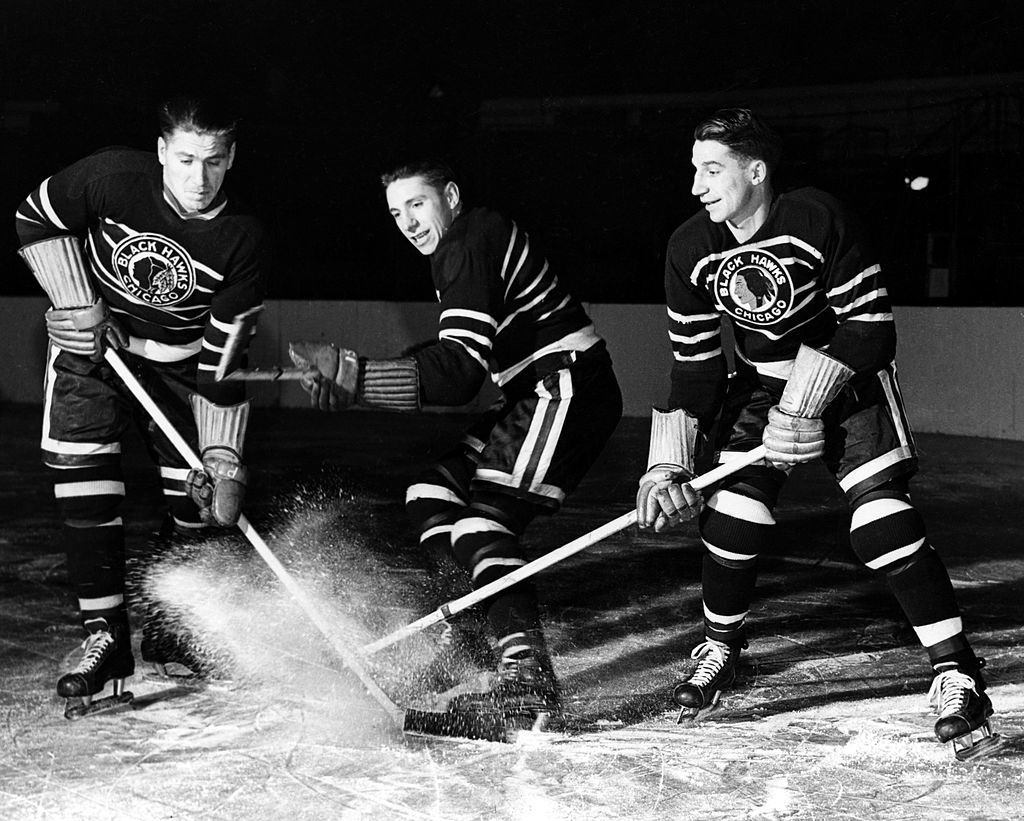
665,499
218,490
795,432
332,376
791,440
85,331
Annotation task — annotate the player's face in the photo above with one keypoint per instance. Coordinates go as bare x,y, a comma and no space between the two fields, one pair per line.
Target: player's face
194,167
725,186
422,213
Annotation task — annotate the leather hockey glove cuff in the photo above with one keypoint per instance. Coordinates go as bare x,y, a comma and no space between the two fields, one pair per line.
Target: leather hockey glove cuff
795,432
218,490
664,497
85,331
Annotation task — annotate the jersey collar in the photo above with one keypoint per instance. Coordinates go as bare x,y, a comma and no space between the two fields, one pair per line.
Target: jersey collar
218,205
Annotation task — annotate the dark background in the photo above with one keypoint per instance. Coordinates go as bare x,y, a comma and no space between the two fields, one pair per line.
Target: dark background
333,92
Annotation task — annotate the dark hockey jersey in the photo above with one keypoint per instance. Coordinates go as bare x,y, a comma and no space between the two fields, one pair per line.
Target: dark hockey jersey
503,311
807,276
175,284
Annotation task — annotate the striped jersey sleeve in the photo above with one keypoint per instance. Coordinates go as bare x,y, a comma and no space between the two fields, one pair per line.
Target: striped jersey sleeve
695,335
865,336
503,311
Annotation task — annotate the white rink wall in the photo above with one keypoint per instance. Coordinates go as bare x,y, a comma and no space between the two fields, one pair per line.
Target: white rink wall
962,369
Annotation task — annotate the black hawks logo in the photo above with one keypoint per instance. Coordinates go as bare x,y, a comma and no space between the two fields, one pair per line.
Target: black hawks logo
754,287
154,269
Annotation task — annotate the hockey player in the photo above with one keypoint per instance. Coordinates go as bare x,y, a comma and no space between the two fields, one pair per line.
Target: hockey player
504,315
168,261
814,378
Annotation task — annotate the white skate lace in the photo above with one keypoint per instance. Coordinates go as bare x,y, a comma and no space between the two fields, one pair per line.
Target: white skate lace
948,692
95,646
712,657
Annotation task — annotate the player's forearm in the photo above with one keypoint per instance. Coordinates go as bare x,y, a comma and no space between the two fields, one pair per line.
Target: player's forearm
866,347
699,389
448,375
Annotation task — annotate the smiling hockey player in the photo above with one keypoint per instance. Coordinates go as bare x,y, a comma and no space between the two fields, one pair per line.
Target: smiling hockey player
815,378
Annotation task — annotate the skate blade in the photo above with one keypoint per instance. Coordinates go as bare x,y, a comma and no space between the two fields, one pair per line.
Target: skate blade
979,743
691,713
171,671
77,708
687,714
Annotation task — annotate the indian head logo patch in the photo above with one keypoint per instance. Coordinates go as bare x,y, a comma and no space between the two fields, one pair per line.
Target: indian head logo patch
754,287
154,269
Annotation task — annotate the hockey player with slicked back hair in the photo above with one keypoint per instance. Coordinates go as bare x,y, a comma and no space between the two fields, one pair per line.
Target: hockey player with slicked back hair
504,315
815,377
147,255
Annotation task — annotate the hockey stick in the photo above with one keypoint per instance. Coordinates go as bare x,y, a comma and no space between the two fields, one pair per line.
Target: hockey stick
242,330
275,374
449,609
396,713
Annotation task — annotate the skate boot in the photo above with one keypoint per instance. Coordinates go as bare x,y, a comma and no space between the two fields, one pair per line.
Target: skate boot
172,653
462,651
108,657
525,696
527,692
963,713
715,672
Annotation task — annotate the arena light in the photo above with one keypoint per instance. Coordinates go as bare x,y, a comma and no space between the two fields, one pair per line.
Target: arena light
918,183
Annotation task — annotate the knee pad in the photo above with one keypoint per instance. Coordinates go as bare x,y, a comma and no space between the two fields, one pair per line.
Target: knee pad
432,503
733,527
88,496
485,546
887,532
183,511
485,541
437,494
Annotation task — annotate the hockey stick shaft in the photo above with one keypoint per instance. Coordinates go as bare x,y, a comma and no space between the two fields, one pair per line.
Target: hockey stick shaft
555,556
275,374
396,713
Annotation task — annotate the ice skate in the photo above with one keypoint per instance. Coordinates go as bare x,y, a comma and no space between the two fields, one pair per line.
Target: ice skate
963,715
528,692
525,697
170,654
108,657
461,652
715,672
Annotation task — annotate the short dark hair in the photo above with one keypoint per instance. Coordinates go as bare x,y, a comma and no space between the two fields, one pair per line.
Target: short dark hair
203,115
744,133
436,173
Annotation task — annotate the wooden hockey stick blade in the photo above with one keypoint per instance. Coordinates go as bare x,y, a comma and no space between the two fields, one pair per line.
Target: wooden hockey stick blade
349,657
478,726
449,609
241,332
